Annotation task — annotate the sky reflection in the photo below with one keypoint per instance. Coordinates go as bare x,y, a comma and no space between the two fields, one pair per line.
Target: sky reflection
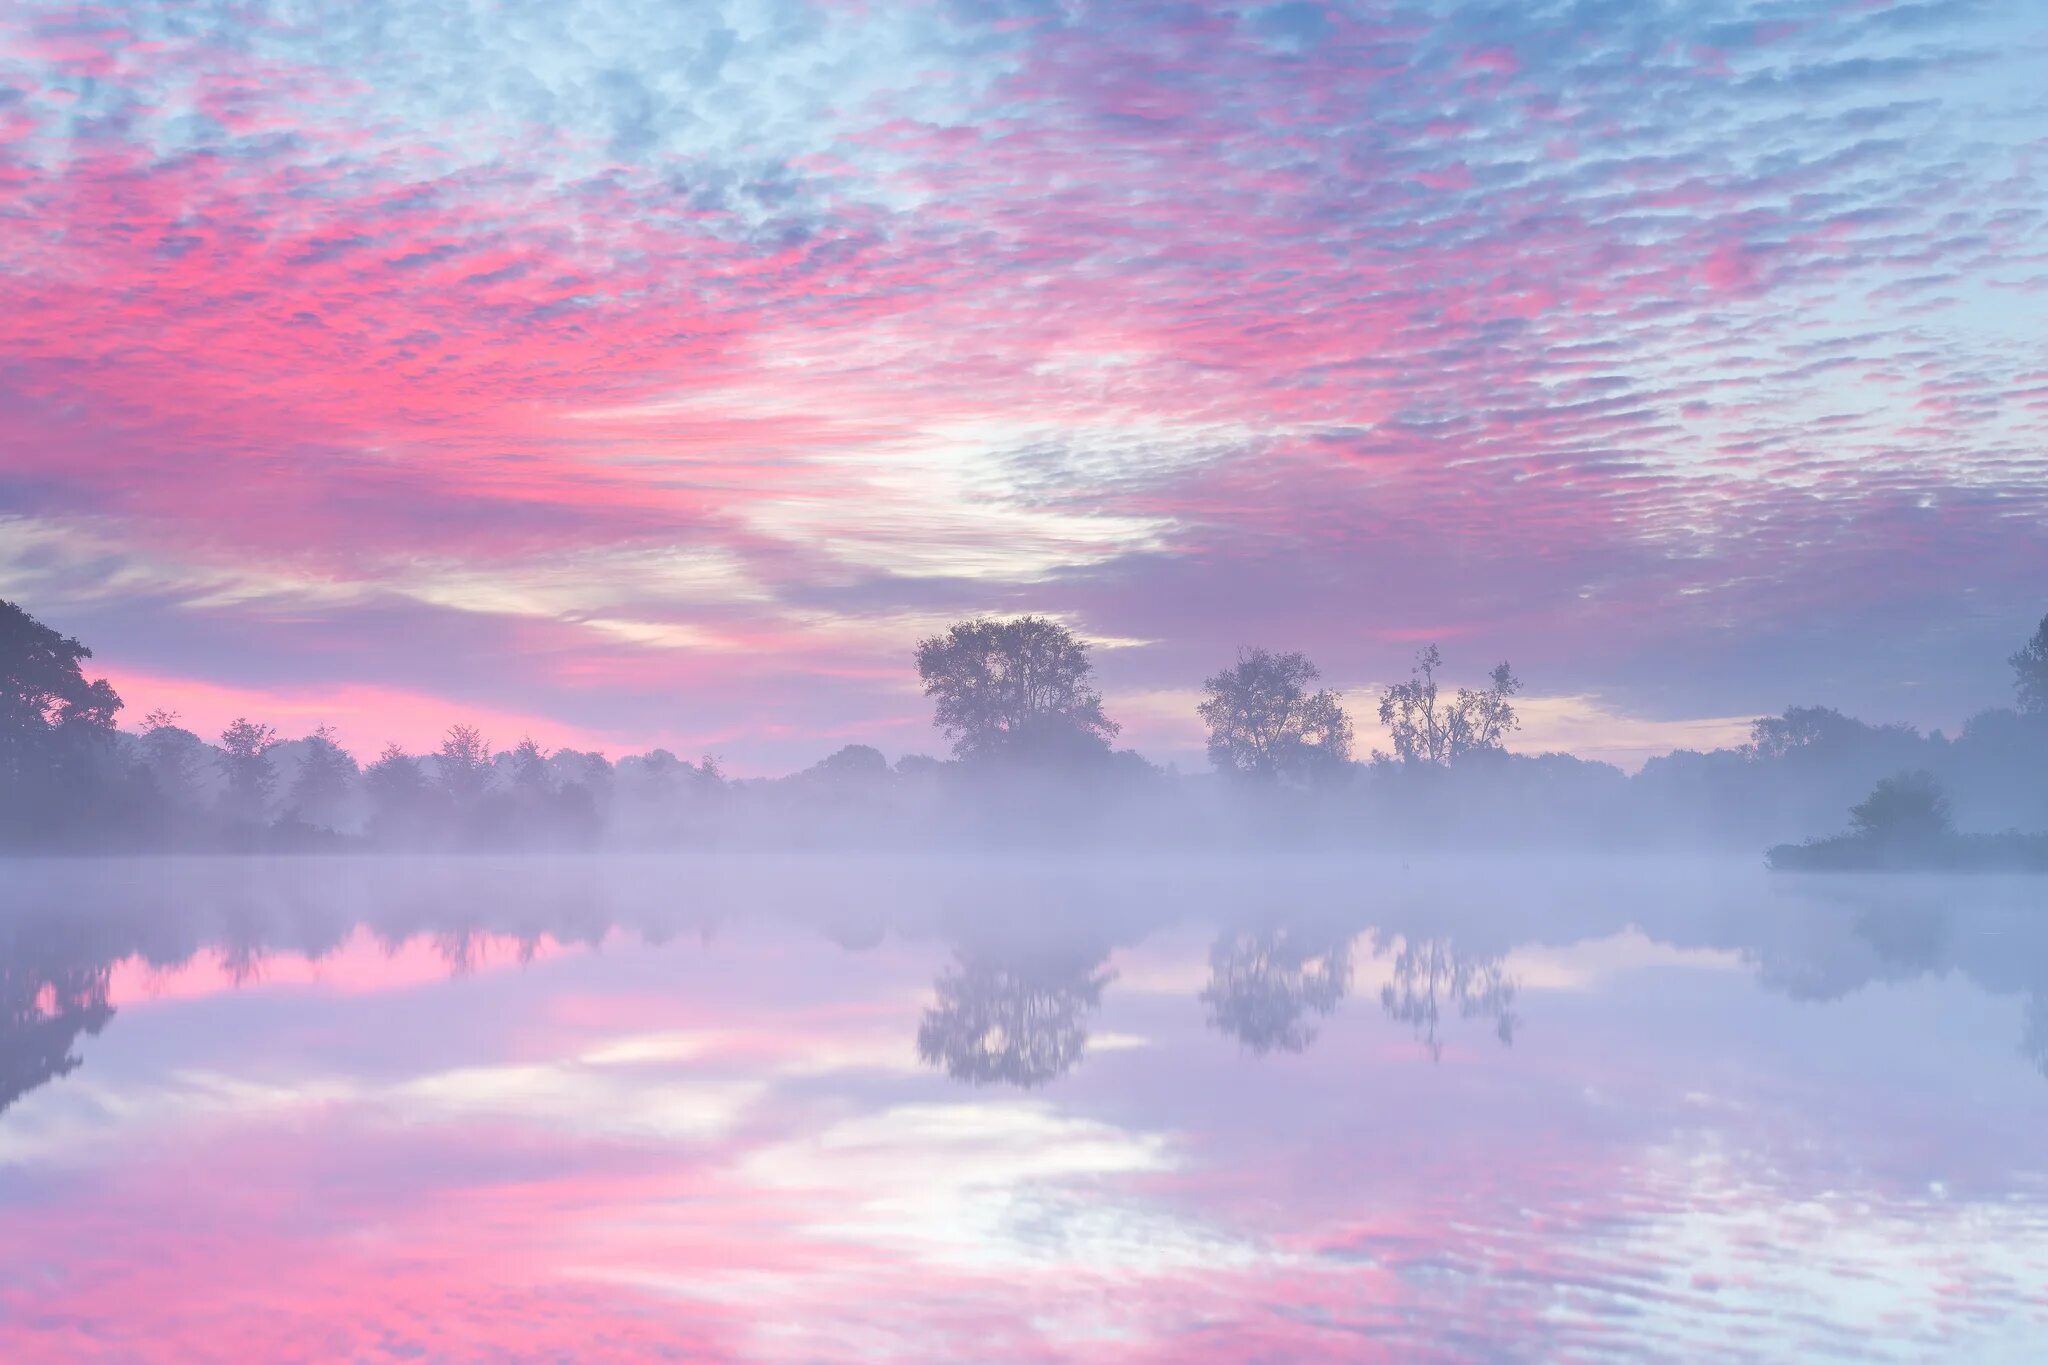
797,1112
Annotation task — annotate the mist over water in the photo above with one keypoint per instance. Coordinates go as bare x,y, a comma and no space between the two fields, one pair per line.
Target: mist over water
1114,1107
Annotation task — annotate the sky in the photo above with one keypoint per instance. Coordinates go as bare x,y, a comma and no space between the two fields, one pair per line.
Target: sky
633,373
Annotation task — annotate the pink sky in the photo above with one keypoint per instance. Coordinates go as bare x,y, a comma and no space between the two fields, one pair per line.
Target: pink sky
637,377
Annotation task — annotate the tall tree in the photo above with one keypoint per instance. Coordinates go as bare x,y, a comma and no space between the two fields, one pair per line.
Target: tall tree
175,758
1432,732
2030,672
1018,687
1265,724
463,764
326,774
56,728
245,761
529,767
397,792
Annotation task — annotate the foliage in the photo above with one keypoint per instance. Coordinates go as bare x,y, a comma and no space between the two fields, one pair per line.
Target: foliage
2030,672
1265,725
245,761
54,727
1014,688
326,774
1430,732
462,767
1907,808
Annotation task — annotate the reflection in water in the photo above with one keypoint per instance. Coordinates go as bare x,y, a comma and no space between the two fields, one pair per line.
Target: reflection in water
45,1004
1019,1020
1431,973
346,1151
1265,986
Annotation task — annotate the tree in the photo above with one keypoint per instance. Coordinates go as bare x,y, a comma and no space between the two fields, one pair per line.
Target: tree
529,765
463,765
1014,688
1265,725
326,773
245,761
174,757
397,792
1431,732
1820,731
1907,808
2030,672
56,728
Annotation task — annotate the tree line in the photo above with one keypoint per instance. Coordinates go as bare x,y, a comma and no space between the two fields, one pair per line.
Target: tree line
1033,750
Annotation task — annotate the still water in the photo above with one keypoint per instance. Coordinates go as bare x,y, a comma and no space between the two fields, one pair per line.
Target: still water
820,1109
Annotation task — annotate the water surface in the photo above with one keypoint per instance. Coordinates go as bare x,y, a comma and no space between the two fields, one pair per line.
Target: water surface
832,1108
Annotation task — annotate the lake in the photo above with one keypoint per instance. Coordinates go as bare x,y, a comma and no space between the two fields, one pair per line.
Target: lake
823,1108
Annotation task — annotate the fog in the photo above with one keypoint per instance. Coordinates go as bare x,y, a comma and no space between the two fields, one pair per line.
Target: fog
1031,761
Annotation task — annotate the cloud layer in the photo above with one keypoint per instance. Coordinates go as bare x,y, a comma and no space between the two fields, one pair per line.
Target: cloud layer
658,376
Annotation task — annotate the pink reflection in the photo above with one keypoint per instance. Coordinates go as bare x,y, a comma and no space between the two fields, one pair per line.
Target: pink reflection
364,964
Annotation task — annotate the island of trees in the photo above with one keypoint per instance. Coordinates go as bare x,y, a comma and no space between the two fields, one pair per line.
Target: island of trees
1034,758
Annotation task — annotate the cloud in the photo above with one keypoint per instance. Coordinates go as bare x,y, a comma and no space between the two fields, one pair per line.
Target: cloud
1649,346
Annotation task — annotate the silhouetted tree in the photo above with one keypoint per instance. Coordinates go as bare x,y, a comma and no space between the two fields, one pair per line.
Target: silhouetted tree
398,794
1908,808
529,768
1821,731
1431,974
56,729
327,773
1017,687
1427,730
463,765
1020,1022
1265,725
245,762
1264,985
853,764
175,757
2030,672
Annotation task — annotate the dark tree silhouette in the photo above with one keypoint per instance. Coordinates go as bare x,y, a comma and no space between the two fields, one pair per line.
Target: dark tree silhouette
1021,1022
1820,731
2030,672
245,762
1429,731
1431,974
56,729
1904,809
1017,687
529,769
398,794
462,767
176,759
1267,986
1266,725
327,773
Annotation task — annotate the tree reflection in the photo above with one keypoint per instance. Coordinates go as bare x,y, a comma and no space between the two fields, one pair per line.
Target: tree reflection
1266,986
1021,1021
43,1011
1431,975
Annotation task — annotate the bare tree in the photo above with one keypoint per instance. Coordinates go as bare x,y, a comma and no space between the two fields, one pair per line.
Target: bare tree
1432,732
